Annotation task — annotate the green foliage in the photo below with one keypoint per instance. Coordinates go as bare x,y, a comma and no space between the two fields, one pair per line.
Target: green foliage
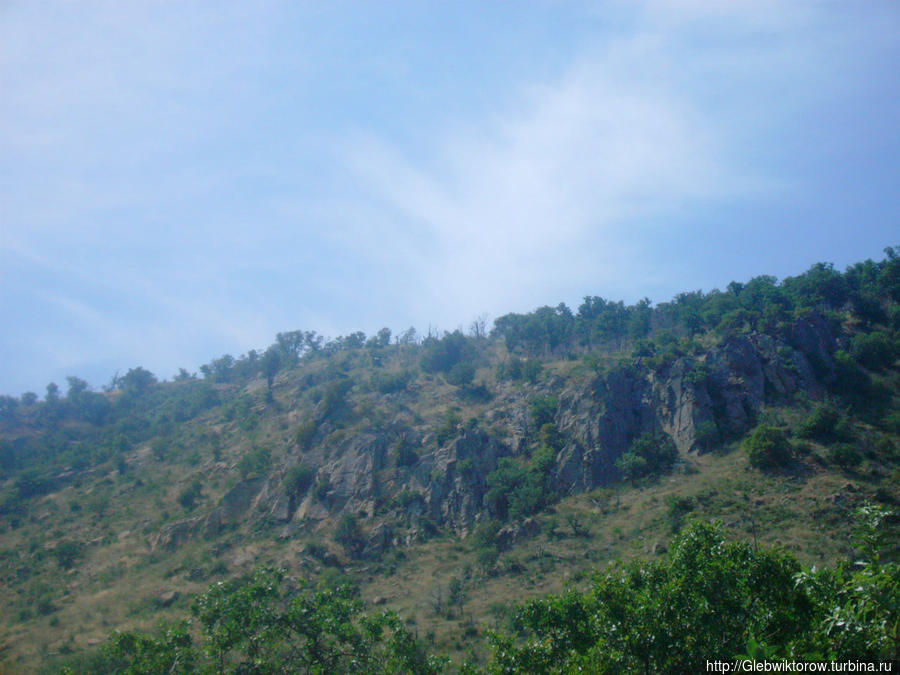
541,331
549,437
349,535
677,508
767,447
306,432
520,369
189,495
403,453
441,355
542,410
171,651
255,463
261,625
271,364
298,479
650,454
450,427
821,423
406,497
874,350
707,434
334,398
704,601
844,455
461,373
391,383
516,491
67,553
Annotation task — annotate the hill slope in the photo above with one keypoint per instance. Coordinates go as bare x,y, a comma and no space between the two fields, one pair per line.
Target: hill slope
452,476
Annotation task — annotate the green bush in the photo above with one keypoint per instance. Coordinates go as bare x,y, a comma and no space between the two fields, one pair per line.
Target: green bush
334,397
348,534
873,350
188,496
461,374
676,510
391,383
520,369
845,455
706,599
516,491
649,454
255,463
298,479
767,447
543,410
821,423
260,624
306,431
403,453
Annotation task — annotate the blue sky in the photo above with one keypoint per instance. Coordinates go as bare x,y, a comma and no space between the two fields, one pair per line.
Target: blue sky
183,180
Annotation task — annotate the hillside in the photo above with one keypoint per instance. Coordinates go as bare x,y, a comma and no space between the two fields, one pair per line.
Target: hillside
453,476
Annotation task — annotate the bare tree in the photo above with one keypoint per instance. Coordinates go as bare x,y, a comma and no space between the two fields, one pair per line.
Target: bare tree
478,327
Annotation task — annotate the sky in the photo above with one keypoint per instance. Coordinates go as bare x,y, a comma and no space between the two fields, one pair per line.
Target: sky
183,180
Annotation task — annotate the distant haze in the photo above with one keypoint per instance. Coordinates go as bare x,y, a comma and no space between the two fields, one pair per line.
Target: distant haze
183,180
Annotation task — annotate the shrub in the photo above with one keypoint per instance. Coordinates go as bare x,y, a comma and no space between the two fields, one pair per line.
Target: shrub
188,496
390,383
67,553
550,437
348,534
767,447
403,453
407,497
543,410
649,454
461,373
844,455
322,488
707,434
255,463
873,350
305,434
820,423
450,428
441,355
677,509
334,398
520,369
298,479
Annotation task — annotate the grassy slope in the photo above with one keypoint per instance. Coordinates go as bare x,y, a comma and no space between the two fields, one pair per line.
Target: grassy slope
118,582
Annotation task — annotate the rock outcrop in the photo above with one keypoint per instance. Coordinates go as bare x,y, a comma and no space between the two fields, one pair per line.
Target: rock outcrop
695,400
453,479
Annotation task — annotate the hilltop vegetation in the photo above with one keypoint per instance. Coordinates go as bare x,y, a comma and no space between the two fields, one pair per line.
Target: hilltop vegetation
462,465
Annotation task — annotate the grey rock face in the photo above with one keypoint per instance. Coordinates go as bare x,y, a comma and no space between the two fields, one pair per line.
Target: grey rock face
692,400
453,479
234,505
175,535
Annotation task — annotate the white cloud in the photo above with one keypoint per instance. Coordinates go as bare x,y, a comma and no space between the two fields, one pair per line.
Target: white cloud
552,192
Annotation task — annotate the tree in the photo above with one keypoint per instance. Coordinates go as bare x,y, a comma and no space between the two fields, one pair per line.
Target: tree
706,600
136,381
263,625
52,393
271,362
77,386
